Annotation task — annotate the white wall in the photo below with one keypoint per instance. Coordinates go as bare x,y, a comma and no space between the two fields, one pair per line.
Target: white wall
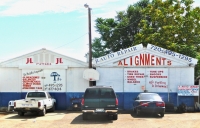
115,77
10,80
75,81
180,76
111,77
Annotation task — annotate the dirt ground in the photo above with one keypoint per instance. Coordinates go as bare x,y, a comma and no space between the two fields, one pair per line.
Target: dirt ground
73,119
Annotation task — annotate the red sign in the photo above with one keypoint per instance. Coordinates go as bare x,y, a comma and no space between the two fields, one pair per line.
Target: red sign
145,59
30,61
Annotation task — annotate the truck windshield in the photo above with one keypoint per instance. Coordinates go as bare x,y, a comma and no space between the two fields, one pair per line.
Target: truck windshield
36,94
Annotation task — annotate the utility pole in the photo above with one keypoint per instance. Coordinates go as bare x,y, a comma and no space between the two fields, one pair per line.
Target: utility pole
90,39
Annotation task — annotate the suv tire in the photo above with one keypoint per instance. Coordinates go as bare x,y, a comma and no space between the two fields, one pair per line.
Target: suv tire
85,116
115,117
162,114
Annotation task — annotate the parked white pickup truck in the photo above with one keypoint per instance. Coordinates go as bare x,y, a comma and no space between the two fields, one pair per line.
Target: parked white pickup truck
36,102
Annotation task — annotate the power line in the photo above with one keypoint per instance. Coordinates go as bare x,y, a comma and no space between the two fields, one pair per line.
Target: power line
70,42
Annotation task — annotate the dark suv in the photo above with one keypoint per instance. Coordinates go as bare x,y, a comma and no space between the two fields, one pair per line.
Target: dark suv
100,100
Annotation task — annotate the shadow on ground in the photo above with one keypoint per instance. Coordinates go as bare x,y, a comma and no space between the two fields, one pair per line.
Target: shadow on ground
92,119
30,115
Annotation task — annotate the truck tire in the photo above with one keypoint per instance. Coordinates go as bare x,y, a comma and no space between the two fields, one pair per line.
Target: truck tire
52,109
43,112
21,113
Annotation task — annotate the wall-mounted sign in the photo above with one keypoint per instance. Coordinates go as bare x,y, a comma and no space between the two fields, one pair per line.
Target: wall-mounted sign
32,80
134,78
30,60
172,54
151,79
157,79
192,90
47,80
54,81
145,59
117,54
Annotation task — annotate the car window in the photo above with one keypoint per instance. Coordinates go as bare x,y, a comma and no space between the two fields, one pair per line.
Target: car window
36,94
92,93
150,97
107,92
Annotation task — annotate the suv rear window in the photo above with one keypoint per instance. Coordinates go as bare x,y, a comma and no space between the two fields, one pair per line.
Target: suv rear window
99,93
92,93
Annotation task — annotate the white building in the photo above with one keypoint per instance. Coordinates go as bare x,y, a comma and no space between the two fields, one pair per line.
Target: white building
135,69
45,70
129,72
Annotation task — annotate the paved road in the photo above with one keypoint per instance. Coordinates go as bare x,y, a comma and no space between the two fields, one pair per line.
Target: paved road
73,119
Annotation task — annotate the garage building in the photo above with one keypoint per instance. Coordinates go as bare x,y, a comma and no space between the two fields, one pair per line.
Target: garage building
153,69
129,71
60,75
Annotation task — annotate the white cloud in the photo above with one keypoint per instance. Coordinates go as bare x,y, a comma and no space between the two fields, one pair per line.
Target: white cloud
25,7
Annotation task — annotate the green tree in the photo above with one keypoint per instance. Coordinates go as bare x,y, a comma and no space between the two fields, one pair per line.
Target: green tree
119,33
171,24
98,48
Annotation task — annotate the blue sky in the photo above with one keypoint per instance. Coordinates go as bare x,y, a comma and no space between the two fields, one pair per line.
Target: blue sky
57,25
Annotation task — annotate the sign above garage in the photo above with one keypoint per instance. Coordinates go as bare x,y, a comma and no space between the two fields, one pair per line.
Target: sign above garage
42,59
150,56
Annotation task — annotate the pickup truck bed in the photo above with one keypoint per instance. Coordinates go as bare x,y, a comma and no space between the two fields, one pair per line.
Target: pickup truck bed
35,102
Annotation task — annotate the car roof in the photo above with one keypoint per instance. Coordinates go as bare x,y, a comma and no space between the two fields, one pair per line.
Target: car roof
37,91
100,87
148,93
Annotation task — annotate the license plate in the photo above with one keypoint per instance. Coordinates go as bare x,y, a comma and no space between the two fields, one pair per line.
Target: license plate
99,110
27,108
27,105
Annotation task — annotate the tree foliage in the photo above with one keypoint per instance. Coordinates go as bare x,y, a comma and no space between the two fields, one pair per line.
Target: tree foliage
171,24
119,33
98,48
